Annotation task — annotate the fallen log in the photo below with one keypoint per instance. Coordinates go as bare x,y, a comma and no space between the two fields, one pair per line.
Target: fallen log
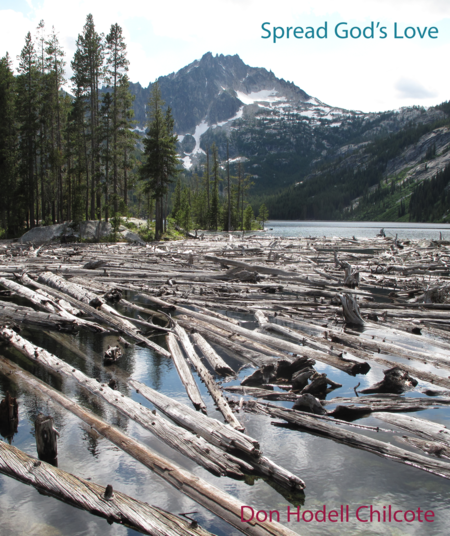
208,380
185,374
213,358
36,319
420,427
347,364
213,499
212,458
396,380
279,344
107,319
98,500
352,439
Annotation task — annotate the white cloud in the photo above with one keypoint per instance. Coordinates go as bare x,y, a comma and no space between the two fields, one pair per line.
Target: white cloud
412,89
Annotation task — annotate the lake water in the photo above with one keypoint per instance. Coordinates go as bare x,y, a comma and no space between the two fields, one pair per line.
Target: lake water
335,474
361,229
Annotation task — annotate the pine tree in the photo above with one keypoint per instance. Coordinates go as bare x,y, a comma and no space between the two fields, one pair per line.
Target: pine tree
263,215
249,216
160,156
214,206
87,67
27,106
116,67
8,149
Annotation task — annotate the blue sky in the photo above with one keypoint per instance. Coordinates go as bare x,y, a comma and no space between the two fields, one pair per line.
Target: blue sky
163,36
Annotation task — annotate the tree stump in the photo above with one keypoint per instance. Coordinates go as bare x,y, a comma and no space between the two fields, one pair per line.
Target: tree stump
46,439
9,416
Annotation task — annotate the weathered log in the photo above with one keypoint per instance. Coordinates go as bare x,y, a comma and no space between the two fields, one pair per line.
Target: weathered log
88,496
36,319
280,344
9,416
213,499
351,310
204,374
109,320
352,439
46,438
419,427
213,358
45,304
347,364
185,374
215,432
196,448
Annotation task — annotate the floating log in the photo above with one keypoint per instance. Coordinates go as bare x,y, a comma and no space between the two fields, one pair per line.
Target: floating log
208,380
280,344
117,508
221,435
212,458
213,499
185,373
108,319
352,439
213,358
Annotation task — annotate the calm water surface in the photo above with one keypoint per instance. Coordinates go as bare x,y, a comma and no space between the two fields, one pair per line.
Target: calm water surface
334,474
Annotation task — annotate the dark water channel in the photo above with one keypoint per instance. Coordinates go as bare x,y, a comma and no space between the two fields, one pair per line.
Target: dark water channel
335,474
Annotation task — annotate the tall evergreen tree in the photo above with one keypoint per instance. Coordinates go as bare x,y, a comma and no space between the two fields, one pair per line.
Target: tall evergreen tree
87,68
27,106
160,156
8,149
116,67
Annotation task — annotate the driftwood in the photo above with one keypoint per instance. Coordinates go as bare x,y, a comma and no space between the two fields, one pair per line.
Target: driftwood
279,344
196,448
108,319
221,435
206,377
213,499
213,358
308,403
185,374
116,508
36,319
352,439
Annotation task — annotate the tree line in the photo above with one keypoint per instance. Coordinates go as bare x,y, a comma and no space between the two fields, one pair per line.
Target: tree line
62,156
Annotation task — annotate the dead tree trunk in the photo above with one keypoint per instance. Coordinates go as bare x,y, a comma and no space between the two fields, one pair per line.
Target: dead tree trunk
46,439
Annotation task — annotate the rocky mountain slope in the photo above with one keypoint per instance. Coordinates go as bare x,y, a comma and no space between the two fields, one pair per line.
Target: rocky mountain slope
306,158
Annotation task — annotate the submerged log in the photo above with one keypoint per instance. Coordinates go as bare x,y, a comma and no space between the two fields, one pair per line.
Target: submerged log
9,416
46,438
112,354
117,508
213,499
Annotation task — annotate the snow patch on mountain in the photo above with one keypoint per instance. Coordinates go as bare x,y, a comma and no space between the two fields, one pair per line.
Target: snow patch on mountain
265,95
